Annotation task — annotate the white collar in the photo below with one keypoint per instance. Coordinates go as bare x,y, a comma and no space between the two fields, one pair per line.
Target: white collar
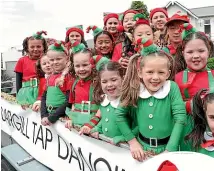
208,136
114,103
160,94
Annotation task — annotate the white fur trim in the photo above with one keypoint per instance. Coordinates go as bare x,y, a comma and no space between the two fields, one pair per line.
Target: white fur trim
114,103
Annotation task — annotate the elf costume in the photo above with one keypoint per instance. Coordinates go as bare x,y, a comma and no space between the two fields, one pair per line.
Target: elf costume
55,98
190,83
25,69
207,147
160,117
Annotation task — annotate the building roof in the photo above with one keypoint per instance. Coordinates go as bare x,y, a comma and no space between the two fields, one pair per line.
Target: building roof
183,7
203,11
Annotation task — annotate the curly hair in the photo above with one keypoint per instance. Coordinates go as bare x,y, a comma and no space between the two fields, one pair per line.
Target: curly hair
199,117
180,63
110,66
39,72
25,45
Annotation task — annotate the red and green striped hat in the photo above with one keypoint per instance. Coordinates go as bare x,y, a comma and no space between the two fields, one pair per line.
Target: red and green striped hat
38,35
96,30
187,29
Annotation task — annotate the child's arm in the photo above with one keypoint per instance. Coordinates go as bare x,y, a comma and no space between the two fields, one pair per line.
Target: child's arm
18,81
44,112
179,117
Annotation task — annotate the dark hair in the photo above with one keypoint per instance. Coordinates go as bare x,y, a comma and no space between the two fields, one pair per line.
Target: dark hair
110,66
131,84
110,36
25,45
180,63
82,40
84,51
39,72
199,117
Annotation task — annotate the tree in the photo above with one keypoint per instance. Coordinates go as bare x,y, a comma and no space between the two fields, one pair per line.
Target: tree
140,6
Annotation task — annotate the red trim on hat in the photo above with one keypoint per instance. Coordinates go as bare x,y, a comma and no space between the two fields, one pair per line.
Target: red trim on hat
112,15
75,43
147,43
98,58
130,11
178,17
189,27
142,21
94,27
152,12
74,29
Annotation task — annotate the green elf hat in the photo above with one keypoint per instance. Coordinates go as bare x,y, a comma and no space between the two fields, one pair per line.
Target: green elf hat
95,30
58,46
148,47
77,46
38,35
187,29
99,60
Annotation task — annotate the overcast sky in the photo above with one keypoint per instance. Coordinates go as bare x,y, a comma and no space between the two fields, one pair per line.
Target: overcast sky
21,18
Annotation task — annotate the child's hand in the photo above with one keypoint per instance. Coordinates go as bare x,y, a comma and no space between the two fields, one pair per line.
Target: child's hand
84,130
136,150
124,62
45,121
59,81
24,107
95,135
68,124
36,106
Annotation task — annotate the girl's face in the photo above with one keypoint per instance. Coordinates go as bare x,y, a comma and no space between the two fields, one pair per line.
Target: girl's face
196,54
46,65
35,48
111,83
154,73
104,44
111,25
58,60
159,20
128,21
210,115
143,31
75,36
82,65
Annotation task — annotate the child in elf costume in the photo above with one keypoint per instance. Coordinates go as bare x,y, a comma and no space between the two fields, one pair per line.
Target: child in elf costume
103,41
203,117
160,111
43,71
194,54
111,22
55,98
82,87
26,78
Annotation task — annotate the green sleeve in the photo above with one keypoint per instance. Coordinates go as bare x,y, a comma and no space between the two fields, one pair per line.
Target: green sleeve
97,128
123,122
118,139
179,116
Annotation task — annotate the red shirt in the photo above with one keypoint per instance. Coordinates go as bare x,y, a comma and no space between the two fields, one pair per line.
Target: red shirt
81,91
67,82
42,87
200,81
117,52
27,67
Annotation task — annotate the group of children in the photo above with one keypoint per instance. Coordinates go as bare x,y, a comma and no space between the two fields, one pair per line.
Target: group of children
131,87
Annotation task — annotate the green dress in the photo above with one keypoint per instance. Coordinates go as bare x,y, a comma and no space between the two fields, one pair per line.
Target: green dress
159,116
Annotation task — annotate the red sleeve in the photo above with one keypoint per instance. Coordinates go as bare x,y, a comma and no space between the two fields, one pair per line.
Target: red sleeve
117,52
42,87
19,65
71,96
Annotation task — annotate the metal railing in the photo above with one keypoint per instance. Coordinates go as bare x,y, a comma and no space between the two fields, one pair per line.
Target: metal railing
13,87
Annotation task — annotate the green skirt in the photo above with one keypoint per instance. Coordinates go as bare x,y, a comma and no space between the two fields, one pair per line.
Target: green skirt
27,95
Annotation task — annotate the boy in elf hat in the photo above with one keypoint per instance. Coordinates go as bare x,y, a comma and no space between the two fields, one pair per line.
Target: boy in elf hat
173,30
26,78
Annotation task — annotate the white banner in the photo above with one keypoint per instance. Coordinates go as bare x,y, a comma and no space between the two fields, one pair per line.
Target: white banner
61,149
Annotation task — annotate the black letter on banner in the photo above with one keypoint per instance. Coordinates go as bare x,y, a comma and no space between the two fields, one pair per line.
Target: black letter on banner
16,123
76,157
59,155
34,124
3,117
9,118
27,128
23,124
48,139
40,138
102,160
83,159
116,168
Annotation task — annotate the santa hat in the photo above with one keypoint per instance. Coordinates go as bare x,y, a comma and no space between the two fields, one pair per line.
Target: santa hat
77,46
153,11
77,28
111,15
141,19
167,166
187,29
38,35
58,46
100,60
95,30
121,16
178,17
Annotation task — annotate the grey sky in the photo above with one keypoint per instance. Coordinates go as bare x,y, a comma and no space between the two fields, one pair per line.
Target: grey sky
21,18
